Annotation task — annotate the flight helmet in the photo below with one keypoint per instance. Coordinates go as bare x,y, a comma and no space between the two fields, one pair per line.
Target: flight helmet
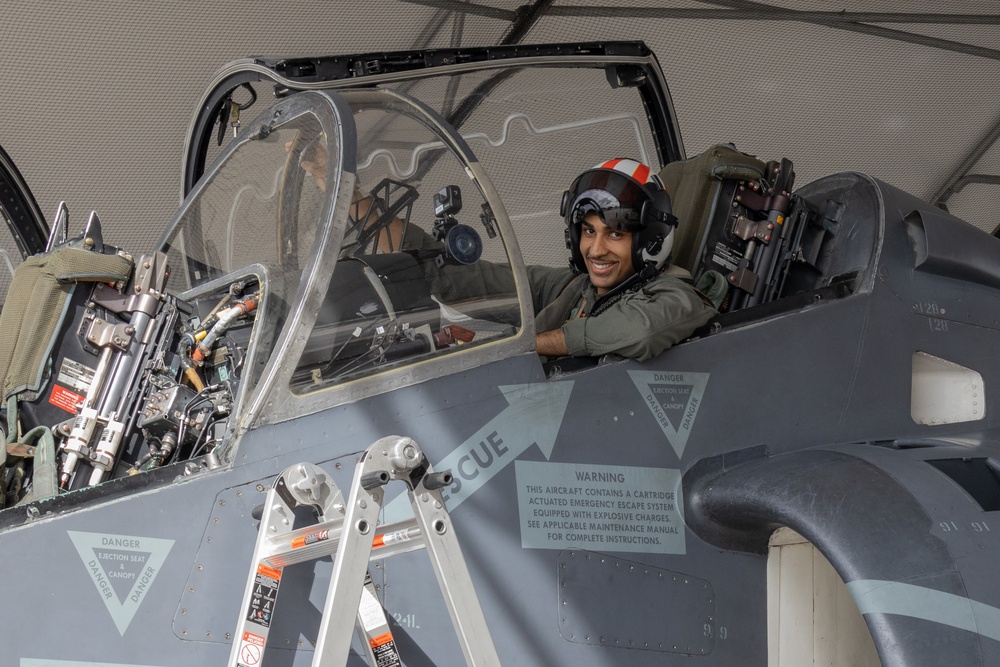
629,197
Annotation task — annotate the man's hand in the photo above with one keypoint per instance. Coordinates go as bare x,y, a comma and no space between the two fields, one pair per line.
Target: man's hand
551,343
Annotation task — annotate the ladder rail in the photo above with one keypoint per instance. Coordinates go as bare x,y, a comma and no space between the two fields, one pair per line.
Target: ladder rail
300,484
349,566
454,579
349,531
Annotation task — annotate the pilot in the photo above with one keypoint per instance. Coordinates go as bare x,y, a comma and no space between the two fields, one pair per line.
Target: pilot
620,295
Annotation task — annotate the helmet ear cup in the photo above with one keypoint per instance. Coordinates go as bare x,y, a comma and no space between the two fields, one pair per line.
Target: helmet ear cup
576,262
660,201
657,251
653,242
572,231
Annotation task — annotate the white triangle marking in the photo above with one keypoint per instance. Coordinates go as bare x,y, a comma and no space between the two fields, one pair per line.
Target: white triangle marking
679,392
122,568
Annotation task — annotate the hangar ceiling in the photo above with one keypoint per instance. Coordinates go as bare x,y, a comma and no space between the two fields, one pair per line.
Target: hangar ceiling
100,94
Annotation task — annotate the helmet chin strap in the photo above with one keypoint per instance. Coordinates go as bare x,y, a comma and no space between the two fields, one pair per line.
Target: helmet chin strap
630,284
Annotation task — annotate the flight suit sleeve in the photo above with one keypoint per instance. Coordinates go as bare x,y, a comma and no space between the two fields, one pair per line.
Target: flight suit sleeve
546,284
454,282
642,324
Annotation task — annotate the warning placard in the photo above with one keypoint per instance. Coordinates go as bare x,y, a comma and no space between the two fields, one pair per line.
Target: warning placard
251,650
265,592
673,398
64,399
384,649
617,508
122,567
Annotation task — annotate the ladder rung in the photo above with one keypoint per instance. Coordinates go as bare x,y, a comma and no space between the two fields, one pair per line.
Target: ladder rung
323,539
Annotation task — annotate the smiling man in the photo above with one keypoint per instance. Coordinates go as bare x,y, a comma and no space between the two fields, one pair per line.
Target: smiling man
627,299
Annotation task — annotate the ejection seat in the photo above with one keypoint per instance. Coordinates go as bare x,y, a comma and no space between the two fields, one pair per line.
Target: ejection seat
696,191
738,218
731,208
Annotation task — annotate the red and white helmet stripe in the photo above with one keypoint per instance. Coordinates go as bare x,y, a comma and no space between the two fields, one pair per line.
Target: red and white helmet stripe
632,168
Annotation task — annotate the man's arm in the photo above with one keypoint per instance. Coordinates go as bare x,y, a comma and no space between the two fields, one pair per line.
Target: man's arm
551,343
546,283
455,282
641,324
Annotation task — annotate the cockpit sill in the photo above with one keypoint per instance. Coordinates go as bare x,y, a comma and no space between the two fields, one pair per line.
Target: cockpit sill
106,492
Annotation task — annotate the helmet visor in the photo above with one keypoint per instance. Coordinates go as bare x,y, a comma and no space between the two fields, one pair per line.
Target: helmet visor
615,197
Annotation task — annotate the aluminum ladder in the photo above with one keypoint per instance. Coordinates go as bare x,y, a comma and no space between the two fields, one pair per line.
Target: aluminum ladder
349,532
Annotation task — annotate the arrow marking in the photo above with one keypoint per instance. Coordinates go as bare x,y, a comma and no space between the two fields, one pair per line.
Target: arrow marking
533,417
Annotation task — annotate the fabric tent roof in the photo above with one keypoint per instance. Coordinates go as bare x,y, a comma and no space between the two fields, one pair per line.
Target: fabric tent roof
100,94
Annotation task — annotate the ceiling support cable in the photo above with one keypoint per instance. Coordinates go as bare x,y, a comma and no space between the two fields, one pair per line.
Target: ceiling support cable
521,19
833,20
961,176
742,10
467,8
451,91
525,18
766,13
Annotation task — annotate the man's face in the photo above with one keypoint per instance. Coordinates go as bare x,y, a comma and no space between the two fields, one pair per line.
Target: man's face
607,252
